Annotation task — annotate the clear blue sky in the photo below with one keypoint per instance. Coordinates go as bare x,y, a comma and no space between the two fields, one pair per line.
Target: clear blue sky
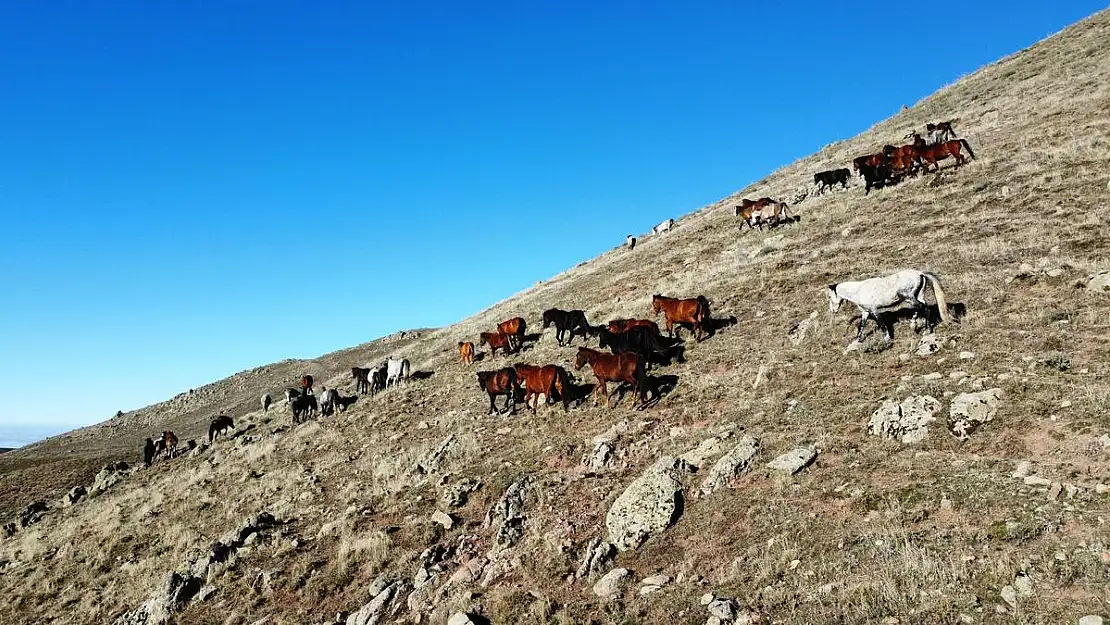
193,189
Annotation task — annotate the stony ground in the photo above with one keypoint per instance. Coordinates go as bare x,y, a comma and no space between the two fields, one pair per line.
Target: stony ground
955,477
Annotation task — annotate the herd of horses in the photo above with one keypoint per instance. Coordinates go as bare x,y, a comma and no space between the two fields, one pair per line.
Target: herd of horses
636,344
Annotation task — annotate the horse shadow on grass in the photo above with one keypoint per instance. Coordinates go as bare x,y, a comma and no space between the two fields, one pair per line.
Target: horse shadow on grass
421,375
712,326
958,311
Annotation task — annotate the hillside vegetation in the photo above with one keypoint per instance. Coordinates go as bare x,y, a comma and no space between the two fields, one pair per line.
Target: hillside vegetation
341,518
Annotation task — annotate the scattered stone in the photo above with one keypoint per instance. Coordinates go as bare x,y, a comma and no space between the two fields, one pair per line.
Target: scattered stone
722,609
608,587
456,495
76,494
1054,491
793,461
598,458
966,355
444,519
655,580
932,377
968,411
1100,283
458,618
432,460
707,598
732,464
1024,468
929,345
1023,584
598,553
1091,619
762,376
373,612
907,421
508,513
1009,595
708,448
799,332
649,505
649,589
1036,480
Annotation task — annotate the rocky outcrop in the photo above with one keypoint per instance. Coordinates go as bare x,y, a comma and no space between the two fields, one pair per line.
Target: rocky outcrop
732,464
906,421
507,515
793,461
109,476
650,504
598,553
968,411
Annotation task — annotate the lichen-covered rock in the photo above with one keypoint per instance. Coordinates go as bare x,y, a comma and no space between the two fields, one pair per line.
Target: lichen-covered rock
735,462
793,461
609,586
906,421
650,504
968,411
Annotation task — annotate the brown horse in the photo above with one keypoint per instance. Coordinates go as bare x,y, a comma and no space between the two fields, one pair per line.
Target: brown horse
168,444
870,160
543,381
499,382
515,328
466,352
772,215
620,326
496,341
903,159
614,368
306,384
694,311
930,154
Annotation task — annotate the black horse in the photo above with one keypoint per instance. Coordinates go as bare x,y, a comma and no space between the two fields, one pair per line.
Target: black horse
567,321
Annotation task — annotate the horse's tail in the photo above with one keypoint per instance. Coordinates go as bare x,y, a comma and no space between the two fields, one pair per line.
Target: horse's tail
211,432
938,292
967,146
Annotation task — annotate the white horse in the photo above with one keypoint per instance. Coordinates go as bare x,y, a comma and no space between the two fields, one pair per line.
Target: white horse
396,371
663,227
630,242
888,292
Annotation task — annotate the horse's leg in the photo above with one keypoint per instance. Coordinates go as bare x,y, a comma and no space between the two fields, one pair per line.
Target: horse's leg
862,322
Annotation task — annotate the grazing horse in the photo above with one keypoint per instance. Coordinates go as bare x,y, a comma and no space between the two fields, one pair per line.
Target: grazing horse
466,352
306,384
361,378
826,179
642,341
932,153
694,311
663,227
887,292
499,382
515,329
614,368
566,321
377,378
630,242
618,326
266,401
496,341
543,381
397,371
219,425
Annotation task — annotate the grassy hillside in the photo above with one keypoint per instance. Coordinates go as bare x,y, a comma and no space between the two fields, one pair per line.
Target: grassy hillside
875,530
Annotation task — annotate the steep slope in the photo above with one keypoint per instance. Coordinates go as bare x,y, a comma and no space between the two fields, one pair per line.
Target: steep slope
933,531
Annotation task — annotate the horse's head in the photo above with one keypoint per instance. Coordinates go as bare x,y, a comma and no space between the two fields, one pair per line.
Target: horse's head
581,359
548,317
483,377
656,300
834,299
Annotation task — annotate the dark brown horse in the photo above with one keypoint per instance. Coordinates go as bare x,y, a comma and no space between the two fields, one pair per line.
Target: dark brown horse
499,382
496,341
614,368
543,381
466,352
515,328
694,311
361,376
306,384
869,160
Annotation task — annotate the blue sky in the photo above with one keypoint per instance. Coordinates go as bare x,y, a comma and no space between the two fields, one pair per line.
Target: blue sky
194,189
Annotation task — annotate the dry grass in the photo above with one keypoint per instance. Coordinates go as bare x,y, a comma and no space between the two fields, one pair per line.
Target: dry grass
927,534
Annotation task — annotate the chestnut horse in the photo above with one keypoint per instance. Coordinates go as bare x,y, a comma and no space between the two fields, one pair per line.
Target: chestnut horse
620,326
515,328
614,368
466,352
694,311
543,381
930,154
496,341
499,382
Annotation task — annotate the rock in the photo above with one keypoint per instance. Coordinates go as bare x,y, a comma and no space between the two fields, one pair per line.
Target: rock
907,421
707,598
109,476
1054,491
761,376
1024,468
1036,480
1009,595
372,613
730,465
799,332
708,448
648,506
508,513
458,618
970,410
966,355
613,433
76,494
655,580
444,519
1023,584
932,377
929,345
793,461
649,589
598,458
722,609
1100,283
608,587
1090,619
456,495
33,513
598,553
432,460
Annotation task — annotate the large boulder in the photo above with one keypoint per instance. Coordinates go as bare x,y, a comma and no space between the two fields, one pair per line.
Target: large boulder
609,586
650,504
735,462
906,421
109,476
1100,283
970,410
373,612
